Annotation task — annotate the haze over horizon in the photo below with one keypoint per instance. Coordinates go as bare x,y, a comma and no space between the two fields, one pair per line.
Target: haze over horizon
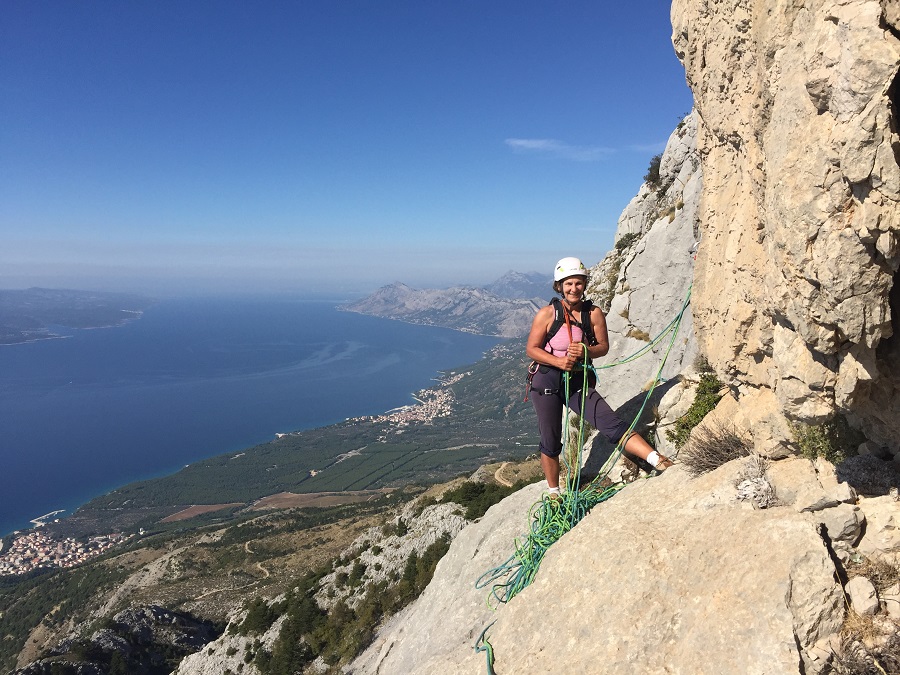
162,147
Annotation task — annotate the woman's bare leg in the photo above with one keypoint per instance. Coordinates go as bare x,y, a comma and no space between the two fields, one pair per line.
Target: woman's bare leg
550,465
636,445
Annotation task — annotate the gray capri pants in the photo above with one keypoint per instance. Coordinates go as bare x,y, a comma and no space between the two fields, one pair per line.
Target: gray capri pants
547,393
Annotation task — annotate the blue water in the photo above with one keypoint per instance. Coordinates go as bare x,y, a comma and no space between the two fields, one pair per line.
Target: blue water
191,379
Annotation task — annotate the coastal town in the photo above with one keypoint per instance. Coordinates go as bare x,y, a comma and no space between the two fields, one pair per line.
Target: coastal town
36,550
430,404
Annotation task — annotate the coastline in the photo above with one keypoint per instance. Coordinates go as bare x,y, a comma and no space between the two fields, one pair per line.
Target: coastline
414,322
430,402
40,520
52,336
435,376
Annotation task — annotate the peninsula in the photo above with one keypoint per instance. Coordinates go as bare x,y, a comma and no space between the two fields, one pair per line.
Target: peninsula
31,314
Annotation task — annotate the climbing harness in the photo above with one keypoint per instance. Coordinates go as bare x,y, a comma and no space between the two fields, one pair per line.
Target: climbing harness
550,518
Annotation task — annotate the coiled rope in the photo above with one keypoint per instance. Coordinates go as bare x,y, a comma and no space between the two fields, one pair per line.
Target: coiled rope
550,518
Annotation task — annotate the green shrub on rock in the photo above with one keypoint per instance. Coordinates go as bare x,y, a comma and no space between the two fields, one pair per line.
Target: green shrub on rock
833,440
652,175
708,396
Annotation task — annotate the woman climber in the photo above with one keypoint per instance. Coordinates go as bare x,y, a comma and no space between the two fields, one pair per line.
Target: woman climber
560,335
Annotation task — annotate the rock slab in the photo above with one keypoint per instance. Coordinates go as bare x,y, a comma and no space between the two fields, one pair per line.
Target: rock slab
661,575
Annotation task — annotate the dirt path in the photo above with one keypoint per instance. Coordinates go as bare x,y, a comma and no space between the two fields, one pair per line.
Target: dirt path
259,565
499,477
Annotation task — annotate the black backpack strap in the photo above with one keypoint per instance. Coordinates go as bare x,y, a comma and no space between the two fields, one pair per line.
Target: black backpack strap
586,326
559,319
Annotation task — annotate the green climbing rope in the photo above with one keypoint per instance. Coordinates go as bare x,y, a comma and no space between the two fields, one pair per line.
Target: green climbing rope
550,518
482,644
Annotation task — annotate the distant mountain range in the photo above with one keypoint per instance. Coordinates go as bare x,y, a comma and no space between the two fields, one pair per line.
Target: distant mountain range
522,286
28,315
504,308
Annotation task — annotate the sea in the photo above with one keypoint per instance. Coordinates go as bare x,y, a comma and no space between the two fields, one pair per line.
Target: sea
193,378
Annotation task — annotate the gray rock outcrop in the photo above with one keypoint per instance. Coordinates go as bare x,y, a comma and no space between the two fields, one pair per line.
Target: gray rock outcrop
141,639
794,291
676,574
381,555
647,280
437,633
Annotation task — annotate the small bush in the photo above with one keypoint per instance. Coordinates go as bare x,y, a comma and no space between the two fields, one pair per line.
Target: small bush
879,571
753,483
605,294
477,498
652,175
833,440
865,649
357,574
260,617
707,398
711,448
638,334
626,240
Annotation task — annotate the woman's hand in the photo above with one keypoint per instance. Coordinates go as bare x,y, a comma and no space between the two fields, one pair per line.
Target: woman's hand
568,362
574,356
576,349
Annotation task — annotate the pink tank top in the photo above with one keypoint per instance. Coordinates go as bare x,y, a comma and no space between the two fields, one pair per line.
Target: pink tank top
559,343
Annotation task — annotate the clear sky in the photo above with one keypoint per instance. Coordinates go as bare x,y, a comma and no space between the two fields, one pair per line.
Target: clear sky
322,145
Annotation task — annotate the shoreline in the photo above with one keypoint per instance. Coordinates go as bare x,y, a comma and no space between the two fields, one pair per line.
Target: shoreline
438,381
413,322
52,336
40,520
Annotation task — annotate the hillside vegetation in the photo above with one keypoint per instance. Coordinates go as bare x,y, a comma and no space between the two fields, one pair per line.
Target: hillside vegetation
487,420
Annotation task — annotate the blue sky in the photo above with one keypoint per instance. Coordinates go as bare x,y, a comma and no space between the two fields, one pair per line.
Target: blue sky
325,146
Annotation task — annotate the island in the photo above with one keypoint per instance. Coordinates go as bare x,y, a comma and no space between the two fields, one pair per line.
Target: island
31,314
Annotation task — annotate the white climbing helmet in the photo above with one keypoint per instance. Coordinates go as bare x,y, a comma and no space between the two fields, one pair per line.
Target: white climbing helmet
569,267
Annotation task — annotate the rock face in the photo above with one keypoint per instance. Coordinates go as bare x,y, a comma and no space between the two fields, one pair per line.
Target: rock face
642,285
647,275
794,292
676,574
139,640
437,633
383,554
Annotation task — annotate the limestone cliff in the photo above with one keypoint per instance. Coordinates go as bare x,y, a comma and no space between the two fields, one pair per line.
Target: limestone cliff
644,280
794,292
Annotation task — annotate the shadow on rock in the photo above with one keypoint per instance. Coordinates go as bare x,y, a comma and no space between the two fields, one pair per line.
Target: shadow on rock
598,450
869,475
